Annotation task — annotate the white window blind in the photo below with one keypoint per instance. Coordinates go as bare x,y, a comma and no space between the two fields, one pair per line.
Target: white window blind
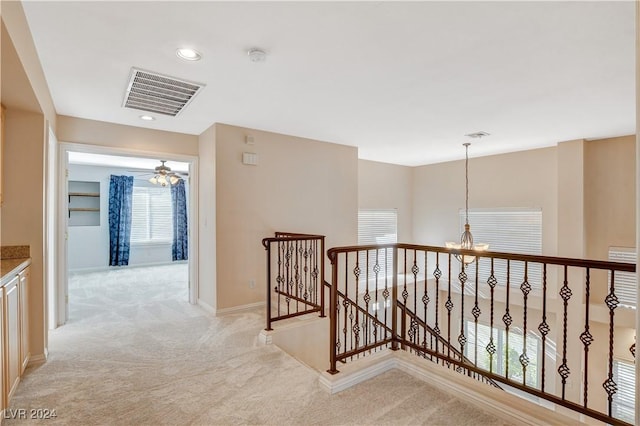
624,374
377,226
625,282
152,215
516,348
512,230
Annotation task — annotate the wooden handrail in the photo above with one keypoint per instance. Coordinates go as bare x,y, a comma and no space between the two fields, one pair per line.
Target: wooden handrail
531,258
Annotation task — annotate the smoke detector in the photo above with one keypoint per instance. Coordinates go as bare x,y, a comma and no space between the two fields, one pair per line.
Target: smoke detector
477,135
257,55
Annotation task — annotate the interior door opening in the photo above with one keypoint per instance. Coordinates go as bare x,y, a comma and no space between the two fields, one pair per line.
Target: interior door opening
160,256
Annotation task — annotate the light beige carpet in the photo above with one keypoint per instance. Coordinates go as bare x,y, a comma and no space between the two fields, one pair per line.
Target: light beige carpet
136,353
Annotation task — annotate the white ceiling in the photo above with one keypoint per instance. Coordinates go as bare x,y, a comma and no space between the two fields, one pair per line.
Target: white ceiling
403,81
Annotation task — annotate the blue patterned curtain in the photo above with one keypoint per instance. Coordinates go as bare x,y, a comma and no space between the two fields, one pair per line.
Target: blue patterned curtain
180,246
120,201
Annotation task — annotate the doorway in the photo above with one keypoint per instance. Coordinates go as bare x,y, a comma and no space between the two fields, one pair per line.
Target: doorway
84,203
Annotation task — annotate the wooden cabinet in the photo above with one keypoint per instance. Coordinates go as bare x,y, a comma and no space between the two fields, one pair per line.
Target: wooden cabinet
23,293
12,362
14,328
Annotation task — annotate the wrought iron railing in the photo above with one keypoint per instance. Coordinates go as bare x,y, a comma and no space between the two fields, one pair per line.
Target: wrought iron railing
295,275
538,324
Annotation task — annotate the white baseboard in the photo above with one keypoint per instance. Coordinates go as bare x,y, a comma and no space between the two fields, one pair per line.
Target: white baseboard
265,337
206,307
37,359
240,308
513,409
335,383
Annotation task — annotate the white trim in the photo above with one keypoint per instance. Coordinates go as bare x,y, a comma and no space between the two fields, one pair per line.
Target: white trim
206,307
64,148
514,409
377,364
240,308
137,265
38,359
265,337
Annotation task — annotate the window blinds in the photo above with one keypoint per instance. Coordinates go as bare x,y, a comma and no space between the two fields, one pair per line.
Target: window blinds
624,374
512,230
152,214
624,282
377,226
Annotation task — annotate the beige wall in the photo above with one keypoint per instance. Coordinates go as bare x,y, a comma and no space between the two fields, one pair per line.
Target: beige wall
14,19
609,195
79,130
299,185
207,219
384,186
29,112
520,179
22,208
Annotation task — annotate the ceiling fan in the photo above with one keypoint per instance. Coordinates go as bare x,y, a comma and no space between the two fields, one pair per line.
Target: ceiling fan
163,175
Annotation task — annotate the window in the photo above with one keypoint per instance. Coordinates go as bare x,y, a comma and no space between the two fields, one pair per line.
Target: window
624,282
515,230
152,214
624,374
516,348
377,226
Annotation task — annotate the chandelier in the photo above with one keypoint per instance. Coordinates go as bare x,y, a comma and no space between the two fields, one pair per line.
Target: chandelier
164,176
466,239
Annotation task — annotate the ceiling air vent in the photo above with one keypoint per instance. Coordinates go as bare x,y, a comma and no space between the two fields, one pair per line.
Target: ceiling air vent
153,92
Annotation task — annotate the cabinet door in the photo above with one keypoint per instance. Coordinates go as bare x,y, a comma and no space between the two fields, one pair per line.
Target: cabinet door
12,335
24,318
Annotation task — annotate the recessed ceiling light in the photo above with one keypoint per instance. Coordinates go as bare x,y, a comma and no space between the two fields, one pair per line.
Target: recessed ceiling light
257,55
147,118
188,54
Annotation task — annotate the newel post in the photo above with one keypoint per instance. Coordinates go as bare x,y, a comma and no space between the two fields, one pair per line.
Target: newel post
267,246
322,307
333,315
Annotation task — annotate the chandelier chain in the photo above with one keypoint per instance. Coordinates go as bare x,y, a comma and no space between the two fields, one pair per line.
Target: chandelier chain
466,175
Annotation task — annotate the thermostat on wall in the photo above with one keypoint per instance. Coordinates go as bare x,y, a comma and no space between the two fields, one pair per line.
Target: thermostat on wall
250,158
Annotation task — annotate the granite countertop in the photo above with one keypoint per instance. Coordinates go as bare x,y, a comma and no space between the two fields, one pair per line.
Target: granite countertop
13,259
10,267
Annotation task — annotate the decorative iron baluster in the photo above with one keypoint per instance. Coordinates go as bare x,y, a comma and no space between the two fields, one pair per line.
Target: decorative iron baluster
507,320
425,300
415,269
345,302
611,300
299,273
355,327
449,305
543,328
279,278
305,294
405,296
632,349
367,299
491,347
289,266
525,287
476,313
462,276
376,271
385,292
563,370
586,338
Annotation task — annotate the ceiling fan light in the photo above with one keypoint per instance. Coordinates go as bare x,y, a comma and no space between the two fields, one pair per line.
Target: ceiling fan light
173,179
154,180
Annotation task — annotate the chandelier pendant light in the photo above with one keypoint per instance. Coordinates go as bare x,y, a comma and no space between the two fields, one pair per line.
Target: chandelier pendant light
466,239
164,176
